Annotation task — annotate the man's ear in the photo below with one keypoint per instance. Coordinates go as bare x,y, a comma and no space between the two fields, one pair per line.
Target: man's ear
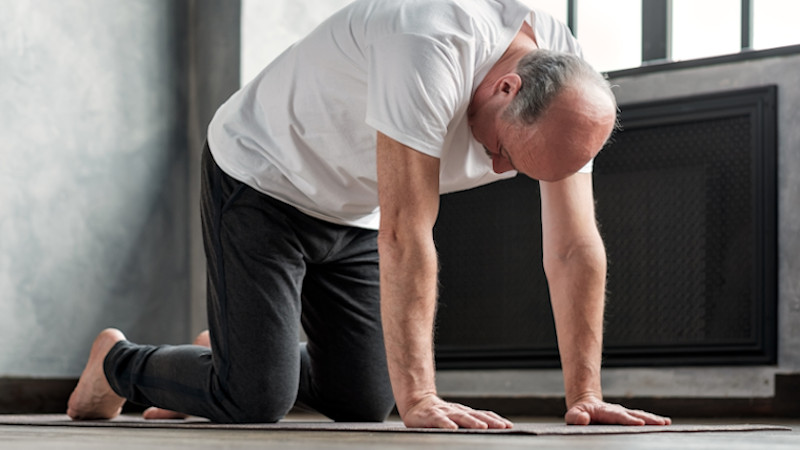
509,83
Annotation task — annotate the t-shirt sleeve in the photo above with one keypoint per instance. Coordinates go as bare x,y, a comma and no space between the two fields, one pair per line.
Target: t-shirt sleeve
413,88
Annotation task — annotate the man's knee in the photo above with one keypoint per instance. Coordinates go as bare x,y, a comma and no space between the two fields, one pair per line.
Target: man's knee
373,412
368,405
268,410
260,405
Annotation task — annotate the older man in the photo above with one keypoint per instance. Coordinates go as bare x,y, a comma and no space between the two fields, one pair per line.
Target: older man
330,164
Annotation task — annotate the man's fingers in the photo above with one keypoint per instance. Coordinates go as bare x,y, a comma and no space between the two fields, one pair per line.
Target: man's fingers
467,420
497,421
651,419
467,417
488,419
638,417
436,419
441,414
606,413
611,414
627,418
577,416
446,423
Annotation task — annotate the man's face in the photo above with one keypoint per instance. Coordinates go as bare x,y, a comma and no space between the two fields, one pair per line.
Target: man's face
487,129
484,116
566,137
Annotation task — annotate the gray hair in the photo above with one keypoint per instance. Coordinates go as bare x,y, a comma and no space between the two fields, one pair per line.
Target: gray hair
544,74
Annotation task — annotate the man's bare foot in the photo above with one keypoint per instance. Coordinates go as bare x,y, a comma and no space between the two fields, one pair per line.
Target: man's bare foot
93,397
203,339
154,413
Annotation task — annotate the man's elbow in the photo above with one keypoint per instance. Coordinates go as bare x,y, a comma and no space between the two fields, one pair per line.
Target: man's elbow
406,244
586,257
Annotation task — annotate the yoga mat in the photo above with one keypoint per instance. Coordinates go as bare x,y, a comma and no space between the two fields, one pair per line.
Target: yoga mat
541,429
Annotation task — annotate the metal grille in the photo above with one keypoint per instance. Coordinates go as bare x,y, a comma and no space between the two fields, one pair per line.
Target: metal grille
686,202
676,207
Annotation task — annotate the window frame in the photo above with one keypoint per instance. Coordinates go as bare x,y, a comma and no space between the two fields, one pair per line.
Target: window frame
656,38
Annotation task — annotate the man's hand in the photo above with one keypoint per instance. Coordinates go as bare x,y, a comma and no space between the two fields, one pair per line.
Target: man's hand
433,412
595,411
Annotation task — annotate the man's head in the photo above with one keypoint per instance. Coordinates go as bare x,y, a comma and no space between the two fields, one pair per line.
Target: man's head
547,119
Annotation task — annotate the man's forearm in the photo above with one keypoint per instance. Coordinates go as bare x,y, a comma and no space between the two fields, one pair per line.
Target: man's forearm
408,304
577,290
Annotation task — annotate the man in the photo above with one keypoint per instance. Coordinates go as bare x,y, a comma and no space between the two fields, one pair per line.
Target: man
360,127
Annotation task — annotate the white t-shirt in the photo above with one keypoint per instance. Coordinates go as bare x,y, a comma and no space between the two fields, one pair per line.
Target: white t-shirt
304,130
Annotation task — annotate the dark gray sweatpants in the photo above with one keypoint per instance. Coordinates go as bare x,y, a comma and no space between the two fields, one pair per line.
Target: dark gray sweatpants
271,267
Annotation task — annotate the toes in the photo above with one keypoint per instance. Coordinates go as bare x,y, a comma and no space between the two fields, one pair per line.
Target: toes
203,339
93,398
154,413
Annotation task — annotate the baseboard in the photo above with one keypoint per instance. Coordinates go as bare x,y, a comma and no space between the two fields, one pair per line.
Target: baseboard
40,396
35,395
49,396
785,403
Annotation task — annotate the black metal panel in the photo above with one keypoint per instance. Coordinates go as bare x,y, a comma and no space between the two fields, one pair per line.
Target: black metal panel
686,198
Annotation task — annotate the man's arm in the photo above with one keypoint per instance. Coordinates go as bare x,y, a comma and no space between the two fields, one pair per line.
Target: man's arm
575,265
408,191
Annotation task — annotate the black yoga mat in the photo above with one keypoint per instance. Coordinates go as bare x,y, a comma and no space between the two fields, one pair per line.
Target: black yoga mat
541,429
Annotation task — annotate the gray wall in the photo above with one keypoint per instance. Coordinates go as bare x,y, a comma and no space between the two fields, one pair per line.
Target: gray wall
103,102
754,381
214,67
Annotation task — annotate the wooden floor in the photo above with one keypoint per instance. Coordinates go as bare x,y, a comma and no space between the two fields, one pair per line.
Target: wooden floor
38,437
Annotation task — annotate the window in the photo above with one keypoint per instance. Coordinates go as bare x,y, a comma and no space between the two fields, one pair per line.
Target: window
610,33
705,28
774,23
556,8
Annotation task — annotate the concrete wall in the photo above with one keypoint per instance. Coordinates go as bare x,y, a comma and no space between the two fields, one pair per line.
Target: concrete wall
99,101
214,62
697,381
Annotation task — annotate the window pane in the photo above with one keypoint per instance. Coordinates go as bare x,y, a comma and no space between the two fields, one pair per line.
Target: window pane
610,33
556,8
775,23
705,28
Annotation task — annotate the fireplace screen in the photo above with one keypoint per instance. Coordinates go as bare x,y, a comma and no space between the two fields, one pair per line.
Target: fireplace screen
686,201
